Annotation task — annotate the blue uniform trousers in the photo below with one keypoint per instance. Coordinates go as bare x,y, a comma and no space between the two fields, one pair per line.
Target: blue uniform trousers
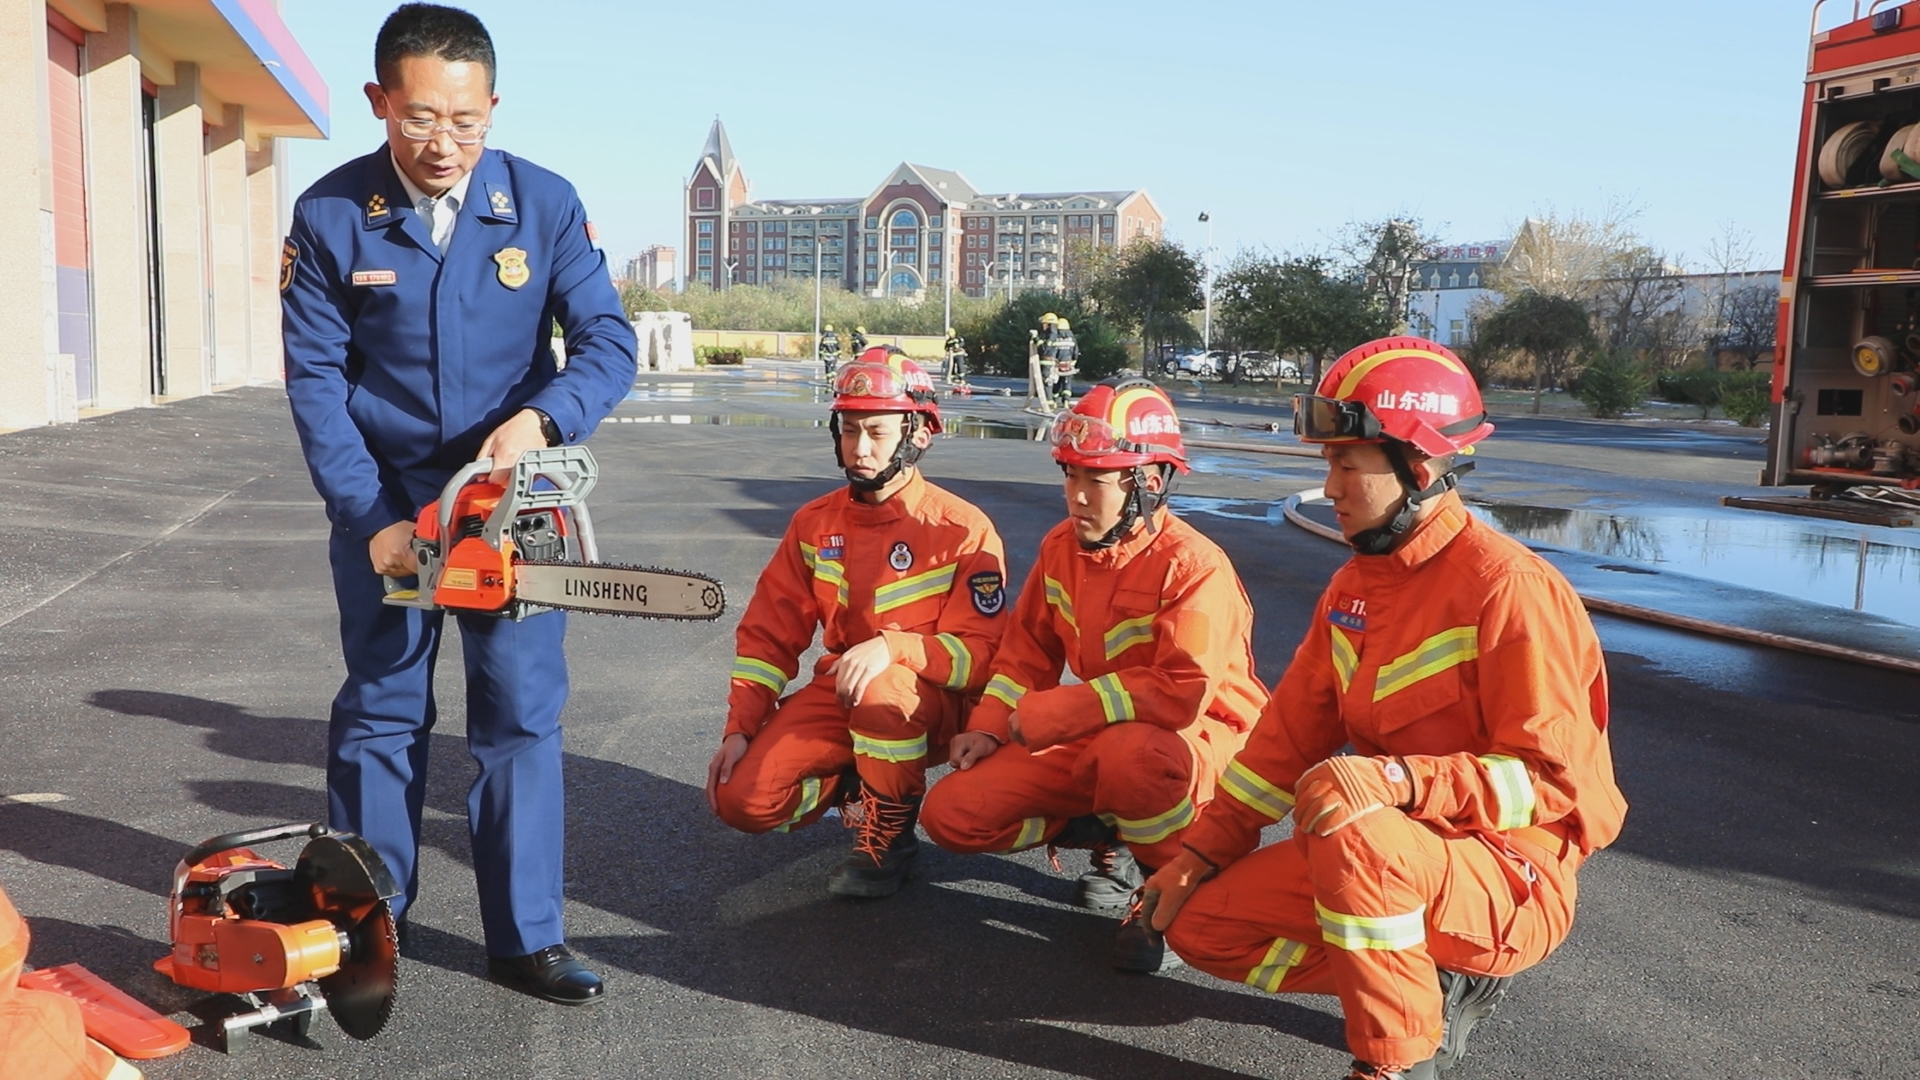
378,738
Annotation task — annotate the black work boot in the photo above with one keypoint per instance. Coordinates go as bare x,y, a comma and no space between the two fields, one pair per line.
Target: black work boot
1469,999
884,847
1110,883
1138,948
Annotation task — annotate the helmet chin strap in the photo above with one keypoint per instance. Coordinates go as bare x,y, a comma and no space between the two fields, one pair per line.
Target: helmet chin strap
1141,503
1384,538
905,456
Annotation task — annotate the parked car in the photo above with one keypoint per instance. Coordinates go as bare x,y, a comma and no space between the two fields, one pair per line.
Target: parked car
1196,364
1260,364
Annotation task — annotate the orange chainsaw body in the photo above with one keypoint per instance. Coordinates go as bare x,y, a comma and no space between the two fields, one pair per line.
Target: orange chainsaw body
474,576
224,952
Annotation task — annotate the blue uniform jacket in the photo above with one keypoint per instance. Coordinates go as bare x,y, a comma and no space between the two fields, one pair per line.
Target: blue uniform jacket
400,362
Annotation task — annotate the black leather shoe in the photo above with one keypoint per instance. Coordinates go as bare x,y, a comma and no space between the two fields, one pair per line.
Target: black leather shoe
552,973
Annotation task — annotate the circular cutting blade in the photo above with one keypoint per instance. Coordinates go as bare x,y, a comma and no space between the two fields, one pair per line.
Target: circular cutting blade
360,995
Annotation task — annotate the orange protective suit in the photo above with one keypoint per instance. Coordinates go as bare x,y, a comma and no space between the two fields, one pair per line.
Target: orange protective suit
1471,660
1159,631
926,570
41,1036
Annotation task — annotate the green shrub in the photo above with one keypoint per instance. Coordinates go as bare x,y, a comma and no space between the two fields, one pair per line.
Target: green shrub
1699,387
1613,382
1746,397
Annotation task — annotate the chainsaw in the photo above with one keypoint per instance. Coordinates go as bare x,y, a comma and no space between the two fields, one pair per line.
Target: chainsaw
529,546
290,942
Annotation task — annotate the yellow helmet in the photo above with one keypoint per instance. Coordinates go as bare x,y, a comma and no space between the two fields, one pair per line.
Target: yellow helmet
949,331
1064,325
1049,317
828,328
859,329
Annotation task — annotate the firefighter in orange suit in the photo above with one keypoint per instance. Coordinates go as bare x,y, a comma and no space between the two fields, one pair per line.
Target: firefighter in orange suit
906,581
41,1037
1437,859
1151,619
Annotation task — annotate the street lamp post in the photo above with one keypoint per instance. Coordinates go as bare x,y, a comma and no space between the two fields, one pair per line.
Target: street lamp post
1206,319
816,292
946,264
732,265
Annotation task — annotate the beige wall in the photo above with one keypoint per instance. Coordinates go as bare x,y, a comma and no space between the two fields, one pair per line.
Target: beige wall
26,222
264,233
117,167
180,152
227,249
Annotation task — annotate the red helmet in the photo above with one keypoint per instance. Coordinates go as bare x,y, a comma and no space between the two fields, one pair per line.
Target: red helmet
1120,424
1408,389
882,379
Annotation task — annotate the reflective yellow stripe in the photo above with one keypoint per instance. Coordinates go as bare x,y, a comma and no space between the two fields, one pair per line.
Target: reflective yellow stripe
962,670
1346,659
1512,790
1390,933
1272,969
747,669
809,798
1449,648
1155,829
830,571
1057,596
1114,699
1251,788
894,750
918,587
1126,635
1032,831
1005,691
1359,370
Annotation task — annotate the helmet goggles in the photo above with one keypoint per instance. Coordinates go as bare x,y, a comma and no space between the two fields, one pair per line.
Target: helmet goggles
1093,437
1325,419
866,379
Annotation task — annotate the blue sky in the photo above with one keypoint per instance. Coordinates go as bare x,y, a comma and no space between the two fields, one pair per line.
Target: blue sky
1282,119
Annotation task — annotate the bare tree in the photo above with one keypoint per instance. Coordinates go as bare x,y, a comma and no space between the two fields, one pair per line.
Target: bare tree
1567,255
1749,321
1381,255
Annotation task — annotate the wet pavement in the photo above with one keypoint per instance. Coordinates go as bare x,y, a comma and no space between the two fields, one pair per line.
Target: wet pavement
167,655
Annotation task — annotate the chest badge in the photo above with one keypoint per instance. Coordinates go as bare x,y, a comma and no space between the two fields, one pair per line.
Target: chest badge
901,557
375,277
833,546
1349,612
513,267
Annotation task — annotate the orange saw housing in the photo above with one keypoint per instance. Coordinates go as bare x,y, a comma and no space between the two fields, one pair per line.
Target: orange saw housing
474,575
219,949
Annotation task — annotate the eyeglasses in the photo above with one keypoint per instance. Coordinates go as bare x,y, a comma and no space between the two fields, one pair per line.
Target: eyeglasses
462,134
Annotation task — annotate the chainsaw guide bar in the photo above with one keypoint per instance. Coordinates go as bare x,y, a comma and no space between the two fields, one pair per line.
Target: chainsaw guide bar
614,589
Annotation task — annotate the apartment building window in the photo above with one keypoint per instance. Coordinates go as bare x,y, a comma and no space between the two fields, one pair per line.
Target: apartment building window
750,261
703,199
873,223
751,226
872,277
873,258
750,277
706,243
1473,280
1453,280
733,244
933,257
933,240
905,219
706,260
933,222
1106,221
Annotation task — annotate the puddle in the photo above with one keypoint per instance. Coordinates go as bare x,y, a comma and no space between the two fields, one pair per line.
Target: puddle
1235,509
1848,566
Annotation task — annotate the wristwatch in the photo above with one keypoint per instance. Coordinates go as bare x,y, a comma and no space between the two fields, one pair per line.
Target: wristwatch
549,429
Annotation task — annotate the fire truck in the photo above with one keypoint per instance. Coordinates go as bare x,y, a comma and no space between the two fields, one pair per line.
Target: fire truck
1847,359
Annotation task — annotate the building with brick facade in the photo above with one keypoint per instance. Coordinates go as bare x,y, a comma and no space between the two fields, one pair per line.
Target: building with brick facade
653,268
919,228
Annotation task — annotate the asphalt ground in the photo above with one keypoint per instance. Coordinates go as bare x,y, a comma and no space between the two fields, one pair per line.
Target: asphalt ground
168,652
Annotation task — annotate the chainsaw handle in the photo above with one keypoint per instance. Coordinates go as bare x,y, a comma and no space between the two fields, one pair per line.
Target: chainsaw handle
228,841
464,475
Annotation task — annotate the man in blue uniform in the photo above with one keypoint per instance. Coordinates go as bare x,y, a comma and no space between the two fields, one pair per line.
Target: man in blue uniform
419,289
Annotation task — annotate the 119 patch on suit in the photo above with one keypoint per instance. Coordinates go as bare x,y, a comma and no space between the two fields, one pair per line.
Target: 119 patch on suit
1349,613
989,592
